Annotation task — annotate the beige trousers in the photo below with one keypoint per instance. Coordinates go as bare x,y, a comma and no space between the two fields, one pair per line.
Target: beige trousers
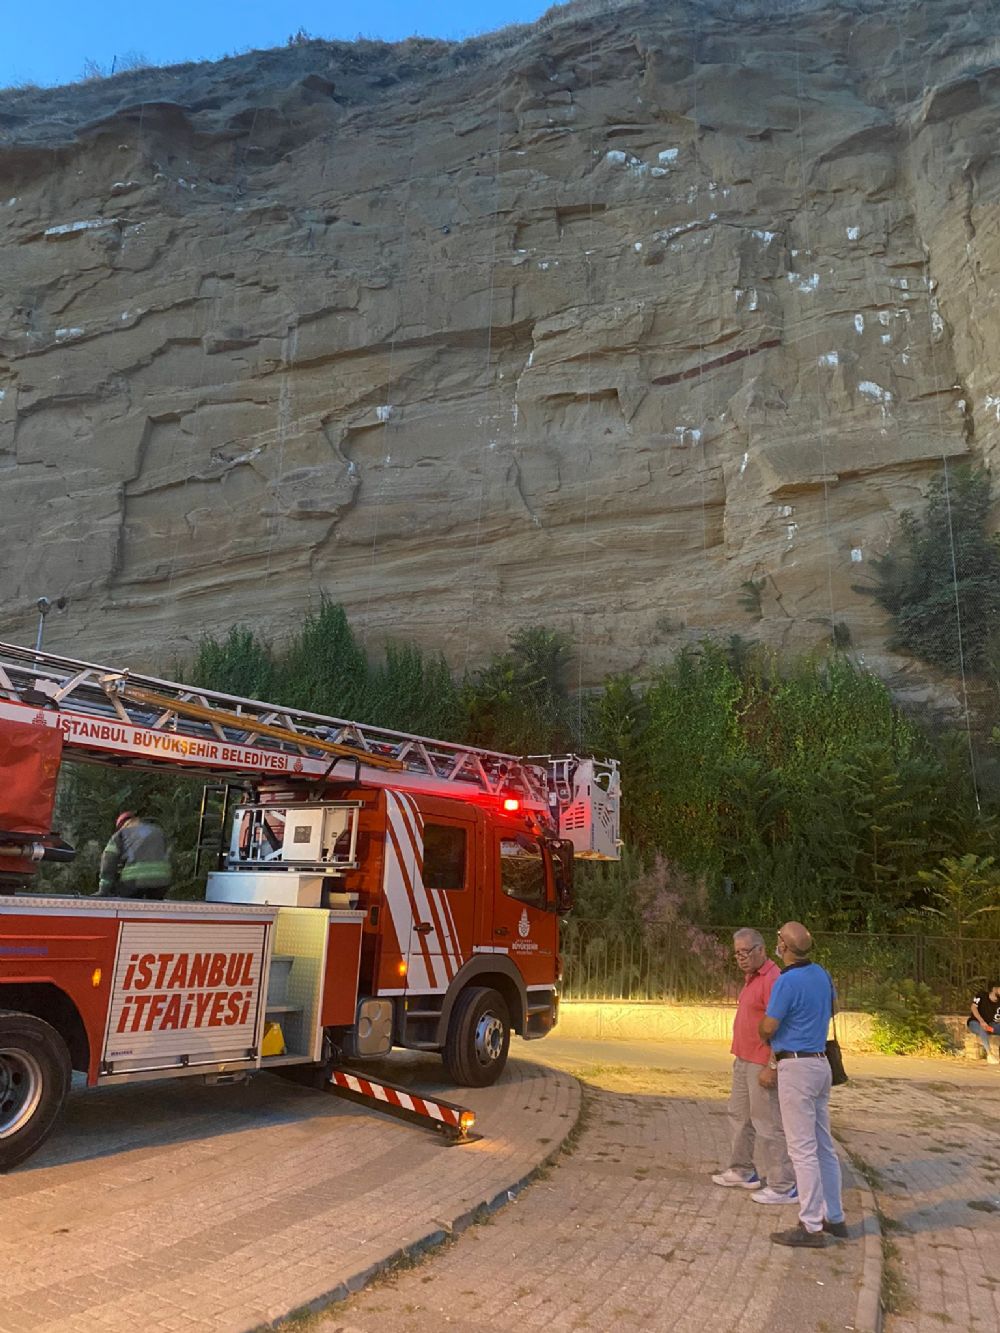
755,1123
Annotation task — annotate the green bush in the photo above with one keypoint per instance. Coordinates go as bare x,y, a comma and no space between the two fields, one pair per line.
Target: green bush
785,790
905,1020
520,702
795,789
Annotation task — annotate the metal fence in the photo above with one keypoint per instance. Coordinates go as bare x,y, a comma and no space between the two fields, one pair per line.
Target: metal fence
681,963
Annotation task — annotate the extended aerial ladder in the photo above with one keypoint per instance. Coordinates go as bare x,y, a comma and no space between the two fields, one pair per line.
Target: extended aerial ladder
108,714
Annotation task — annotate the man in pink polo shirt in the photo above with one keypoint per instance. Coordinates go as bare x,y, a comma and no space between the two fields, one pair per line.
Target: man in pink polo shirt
754,1117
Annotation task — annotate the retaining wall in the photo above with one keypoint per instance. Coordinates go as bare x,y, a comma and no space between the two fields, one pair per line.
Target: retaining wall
616,1020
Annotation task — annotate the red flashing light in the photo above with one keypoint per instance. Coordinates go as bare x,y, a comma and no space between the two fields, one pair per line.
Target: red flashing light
511,804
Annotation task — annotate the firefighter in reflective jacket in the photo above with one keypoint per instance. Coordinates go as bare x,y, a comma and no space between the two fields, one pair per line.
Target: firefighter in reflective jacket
135,863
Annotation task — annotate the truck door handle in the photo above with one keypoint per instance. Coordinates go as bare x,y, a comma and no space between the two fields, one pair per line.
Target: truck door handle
501,930
423,927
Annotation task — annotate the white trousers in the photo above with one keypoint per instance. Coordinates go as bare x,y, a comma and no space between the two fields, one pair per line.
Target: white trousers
804,1098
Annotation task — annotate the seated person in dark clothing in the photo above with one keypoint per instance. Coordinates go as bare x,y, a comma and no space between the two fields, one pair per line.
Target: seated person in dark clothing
985,1018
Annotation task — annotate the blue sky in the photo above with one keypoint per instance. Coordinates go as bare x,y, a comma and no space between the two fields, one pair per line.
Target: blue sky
50,43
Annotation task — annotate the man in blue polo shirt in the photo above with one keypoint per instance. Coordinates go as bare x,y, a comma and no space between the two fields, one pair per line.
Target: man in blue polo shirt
796,1025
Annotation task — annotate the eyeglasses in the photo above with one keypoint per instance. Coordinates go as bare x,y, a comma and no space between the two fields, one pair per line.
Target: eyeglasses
781,942
746,953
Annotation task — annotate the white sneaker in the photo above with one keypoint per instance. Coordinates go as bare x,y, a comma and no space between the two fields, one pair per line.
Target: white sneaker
740,1179
768,1195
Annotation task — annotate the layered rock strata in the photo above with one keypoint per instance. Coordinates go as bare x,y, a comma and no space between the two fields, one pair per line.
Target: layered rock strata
645,323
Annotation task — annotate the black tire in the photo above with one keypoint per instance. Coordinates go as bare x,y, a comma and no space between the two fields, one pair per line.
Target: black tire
478,1038
35,1076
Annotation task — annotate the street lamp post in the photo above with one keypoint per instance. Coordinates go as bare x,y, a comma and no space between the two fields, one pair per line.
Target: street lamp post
45,605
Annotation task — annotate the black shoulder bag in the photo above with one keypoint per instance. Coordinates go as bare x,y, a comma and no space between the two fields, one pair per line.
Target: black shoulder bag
834,1054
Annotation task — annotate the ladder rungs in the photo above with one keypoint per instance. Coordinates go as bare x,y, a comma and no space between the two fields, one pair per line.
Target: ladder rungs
122,697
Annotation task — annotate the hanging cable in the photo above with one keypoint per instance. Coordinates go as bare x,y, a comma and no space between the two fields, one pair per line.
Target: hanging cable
698,431
588,306
814,346
186,530
932,336
384,410
487,443
704,186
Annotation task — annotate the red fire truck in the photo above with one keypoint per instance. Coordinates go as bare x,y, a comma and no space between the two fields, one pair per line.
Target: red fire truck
365,889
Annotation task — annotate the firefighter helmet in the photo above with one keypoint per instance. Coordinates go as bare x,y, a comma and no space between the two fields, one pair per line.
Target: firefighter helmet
123,818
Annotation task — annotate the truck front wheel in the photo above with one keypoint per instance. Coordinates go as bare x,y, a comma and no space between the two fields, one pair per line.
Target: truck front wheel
34,1079
478,1038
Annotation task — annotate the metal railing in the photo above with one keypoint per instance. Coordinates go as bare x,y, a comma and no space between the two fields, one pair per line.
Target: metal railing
689,964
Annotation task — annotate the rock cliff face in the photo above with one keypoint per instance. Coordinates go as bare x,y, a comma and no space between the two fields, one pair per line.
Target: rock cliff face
589,324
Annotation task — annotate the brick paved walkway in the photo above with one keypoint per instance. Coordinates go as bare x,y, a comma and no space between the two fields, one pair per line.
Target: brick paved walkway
933,1146
177,1208
626,1232
180,1208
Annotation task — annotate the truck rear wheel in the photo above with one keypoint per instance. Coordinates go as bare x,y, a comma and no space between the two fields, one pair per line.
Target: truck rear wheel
478,1038
34,1079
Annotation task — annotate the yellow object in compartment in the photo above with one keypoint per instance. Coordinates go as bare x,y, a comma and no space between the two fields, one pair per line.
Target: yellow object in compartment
273,1042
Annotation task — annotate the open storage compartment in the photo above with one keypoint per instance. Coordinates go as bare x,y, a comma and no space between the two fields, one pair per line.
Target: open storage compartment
309,950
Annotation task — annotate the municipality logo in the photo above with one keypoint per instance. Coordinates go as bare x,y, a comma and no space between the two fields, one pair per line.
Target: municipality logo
524,925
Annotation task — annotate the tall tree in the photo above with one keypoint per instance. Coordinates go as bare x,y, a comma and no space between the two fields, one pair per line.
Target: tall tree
940,578
324,669
240,664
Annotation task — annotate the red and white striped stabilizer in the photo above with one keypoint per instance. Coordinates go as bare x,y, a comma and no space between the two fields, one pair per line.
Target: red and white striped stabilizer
454,1121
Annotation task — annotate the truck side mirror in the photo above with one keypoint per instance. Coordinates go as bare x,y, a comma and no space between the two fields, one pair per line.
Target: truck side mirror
562,866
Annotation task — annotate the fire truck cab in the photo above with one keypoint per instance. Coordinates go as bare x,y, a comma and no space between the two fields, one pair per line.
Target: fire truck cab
453,898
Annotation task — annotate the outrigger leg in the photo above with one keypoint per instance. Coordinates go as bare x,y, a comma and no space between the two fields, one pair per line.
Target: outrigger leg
455,1123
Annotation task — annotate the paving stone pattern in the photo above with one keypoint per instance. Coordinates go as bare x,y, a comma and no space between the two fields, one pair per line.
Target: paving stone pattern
175,1207
626,1232
934,1149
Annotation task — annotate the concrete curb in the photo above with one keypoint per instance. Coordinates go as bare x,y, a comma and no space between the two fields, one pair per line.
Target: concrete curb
429,1240
868,1311
868,1307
